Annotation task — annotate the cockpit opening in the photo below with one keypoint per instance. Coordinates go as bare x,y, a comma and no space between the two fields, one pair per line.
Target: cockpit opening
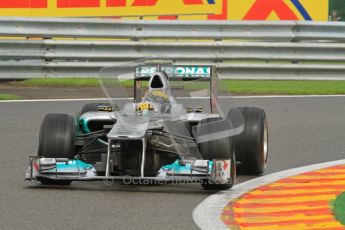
156,82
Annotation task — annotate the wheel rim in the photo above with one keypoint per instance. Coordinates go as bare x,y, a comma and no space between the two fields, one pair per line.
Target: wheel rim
265,147
234,170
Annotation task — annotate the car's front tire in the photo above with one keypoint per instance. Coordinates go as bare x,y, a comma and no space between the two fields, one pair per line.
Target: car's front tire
222,148
56,140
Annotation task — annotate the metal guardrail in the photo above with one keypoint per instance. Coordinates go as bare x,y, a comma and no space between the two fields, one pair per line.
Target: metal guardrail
242,50
258,71
135,30
93,51
142,29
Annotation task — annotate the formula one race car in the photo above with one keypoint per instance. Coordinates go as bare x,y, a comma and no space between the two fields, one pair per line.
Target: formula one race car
155,139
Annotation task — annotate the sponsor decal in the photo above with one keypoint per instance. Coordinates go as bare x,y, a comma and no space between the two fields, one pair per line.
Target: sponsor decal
221,171
192,71
36,166
103,8
105,108
225,165
274,10
175,71
267,10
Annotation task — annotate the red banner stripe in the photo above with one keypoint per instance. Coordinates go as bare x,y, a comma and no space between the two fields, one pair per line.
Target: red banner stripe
24,4
117,3
77,3
193,2
144,3
154,2
263,8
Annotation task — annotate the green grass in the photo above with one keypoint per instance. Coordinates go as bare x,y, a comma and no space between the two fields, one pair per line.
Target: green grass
8,97
263,87
286,87
339,208
70,82
59,82
234,86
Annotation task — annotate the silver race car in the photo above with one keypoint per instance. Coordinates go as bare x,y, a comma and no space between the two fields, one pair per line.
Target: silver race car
158,138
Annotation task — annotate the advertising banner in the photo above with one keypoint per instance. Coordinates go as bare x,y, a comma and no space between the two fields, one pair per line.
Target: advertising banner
311,10
103,8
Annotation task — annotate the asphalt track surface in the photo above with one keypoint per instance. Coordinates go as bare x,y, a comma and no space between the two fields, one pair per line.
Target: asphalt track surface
303,131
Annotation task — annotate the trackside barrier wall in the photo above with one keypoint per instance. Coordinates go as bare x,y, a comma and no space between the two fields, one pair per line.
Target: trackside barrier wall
63,47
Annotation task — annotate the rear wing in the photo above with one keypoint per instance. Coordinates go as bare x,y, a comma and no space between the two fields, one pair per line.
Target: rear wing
184,72
180,72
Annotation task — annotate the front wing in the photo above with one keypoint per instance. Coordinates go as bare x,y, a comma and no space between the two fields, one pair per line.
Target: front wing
198,171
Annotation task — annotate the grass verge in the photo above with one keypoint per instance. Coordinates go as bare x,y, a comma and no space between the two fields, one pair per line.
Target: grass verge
4,96
339,208
58,82
256,87
285,87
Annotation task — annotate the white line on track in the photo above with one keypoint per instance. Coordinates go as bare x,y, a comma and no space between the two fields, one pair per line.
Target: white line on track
235,97
208,213
56,100
284,96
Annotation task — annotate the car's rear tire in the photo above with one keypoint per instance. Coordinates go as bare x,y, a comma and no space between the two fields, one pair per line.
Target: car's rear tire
56,140
251,146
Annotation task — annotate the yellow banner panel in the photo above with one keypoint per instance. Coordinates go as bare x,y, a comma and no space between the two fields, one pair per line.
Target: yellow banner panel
104,8
310,10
